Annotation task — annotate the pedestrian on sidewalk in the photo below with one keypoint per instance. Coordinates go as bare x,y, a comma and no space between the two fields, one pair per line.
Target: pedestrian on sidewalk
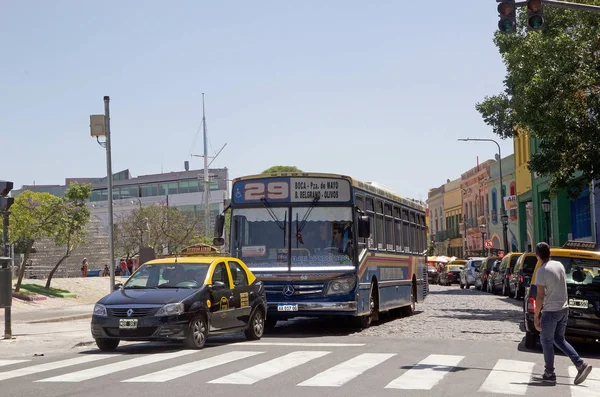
552,313
84,267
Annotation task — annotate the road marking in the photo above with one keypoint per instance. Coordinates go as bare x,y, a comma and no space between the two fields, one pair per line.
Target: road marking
54,365
96,372
589,388
270,368
426,374
299,344
9,362
346,371
189,368
508,377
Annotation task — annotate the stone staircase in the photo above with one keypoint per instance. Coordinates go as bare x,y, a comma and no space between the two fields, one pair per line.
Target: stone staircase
48,254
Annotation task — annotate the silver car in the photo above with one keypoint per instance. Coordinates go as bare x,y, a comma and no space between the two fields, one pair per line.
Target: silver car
469,272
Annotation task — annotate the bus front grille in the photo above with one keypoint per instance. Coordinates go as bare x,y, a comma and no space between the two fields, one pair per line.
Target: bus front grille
299,289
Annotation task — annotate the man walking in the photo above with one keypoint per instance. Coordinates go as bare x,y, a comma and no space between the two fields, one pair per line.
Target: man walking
552,300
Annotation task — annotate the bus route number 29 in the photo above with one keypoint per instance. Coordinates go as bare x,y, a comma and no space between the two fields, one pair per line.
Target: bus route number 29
270,190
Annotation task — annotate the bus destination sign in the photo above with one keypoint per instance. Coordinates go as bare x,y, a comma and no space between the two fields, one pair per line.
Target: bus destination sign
292,190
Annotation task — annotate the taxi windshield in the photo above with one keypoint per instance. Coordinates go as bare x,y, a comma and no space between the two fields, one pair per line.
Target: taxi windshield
580,271
454,268
168,275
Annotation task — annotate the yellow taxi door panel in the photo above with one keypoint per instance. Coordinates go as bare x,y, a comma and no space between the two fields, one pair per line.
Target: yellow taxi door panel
242,294
222,304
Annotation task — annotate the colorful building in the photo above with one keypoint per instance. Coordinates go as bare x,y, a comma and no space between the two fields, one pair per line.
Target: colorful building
453,214
437,226
474,187
522,148
508,193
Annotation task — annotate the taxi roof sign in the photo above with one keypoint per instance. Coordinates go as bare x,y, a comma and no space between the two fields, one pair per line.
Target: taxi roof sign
580,245
200,249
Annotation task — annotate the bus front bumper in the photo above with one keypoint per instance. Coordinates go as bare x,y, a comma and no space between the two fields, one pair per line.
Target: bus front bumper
296,309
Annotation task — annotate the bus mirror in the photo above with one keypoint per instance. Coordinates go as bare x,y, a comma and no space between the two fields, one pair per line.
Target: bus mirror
364,227
219,225
218,241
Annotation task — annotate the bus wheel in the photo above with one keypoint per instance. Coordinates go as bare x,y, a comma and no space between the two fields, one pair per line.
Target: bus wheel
366,321
410,310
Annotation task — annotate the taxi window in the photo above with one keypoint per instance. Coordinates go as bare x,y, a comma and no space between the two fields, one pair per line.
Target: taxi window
579,270
529,264
454,268
513,261
503,263
238,275
220,274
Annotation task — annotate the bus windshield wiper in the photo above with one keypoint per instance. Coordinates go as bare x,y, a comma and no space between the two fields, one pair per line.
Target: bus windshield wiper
281,225
302,224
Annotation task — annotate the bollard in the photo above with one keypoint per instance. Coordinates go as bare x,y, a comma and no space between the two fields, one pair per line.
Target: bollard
6,293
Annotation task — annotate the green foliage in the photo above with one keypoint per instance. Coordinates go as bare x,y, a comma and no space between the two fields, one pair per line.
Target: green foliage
430,248
157,226
551,89
281,168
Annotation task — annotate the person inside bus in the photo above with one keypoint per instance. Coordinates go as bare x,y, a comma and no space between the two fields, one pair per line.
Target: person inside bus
343,245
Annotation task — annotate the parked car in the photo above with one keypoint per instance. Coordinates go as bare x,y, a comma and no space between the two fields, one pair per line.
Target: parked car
499,281
451,273
521,275
484,272
184,298
432,274
469,272
583,287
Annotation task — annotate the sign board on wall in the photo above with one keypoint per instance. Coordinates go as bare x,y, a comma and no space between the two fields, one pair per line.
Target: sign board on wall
292,190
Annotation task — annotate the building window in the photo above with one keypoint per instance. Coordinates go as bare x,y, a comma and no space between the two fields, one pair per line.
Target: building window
513,188
494,206
581,220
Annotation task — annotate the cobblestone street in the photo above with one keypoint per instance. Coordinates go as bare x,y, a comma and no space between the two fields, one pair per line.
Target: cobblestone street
451,312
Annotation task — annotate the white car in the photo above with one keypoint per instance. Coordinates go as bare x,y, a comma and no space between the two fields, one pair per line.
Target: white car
469,272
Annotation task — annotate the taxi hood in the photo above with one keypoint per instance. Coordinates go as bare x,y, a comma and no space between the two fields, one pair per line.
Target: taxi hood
159,296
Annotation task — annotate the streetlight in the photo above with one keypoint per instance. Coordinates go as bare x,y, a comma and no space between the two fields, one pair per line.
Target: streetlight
546,208
482,229
504,217
100,126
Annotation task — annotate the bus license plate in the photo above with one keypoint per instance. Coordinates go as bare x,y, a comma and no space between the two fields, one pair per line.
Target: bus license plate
580,303
127,323
287,308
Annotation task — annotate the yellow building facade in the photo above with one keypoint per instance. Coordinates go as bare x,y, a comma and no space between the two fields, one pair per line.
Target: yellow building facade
522,148
453,216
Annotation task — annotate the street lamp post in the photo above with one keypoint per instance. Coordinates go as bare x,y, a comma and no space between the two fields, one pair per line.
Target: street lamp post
100,126
504,217
546,209
482,229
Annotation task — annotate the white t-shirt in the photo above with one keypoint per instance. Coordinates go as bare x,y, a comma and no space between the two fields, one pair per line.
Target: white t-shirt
551,275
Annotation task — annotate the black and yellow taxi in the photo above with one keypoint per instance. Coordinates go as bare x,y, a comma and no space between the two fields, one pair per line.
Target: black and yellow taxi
187,297
582,267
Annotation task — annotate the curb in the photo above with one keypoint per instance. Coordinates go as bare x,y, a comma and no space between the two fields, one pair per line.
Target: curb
61,319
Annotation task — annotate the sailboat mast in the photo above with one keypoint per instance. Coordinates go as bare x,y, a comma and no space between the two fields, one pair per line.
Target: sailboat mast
206,178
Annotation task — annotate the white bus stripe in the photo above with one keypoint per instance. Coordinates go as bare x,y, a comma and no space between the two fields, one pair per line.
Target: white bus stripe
348,370
96,372
270,368
10,362
34,369
508,377
302,344
589,388
426,374
190,368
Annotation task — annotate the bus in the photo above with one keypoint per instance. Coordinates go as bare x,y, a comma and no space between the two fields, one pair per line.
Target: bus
328,245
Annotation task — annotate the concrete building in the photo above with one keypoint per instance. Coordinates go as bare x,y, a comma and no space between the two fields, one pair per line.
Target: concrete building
474,186
496,194
435,204
453,215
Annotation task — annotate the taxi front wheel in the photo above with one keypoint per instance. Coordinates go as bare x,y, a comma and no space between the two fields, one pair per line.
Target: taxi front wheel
107,345
196,337
256,327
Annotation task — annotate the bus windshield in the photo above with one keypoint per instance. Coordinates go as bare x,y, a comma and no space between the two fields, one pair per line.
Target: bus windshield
320,236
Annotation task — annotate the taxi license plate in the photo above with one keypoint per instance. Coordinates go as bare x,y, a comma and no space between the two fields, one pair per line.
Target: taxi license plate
287,308
580,303
127,323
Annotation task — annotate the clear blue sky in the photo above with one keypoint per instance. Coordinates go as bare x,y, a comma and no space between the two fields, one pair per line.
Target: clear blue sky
376,90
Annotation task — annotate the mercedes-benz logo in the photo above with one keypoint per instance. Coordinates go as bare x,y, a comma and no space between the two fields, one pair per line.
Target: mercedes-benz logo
129,312
288,290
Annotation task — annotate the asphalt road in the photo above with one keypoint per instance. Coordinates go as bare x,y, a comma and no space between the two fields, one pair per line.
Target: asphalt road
481,353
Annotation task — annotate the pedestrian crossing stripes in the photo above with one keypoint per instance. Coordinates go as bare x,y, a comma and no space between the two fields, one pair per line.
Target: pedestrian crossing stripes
310,369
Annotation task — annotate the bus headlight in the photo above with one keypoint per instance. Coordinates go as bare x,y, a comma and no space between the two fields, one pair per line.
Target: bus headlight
341,286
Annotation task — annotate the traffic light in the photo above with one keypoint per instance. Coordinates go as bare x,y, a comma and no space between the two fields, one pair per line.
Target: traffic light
5,202
508,16
535,14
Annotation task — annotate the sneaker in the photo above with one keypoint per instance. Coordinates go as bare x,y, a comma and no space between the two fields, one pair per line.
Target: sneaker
549,377
582,373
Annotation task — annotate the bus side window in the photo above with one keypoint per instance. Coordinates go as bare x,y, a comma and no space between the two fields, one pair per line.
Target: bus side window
370,210
360,203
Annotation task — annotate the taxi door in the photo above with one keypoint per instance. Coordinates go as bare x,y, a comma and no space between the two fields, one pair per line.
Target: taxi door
243,294
222,297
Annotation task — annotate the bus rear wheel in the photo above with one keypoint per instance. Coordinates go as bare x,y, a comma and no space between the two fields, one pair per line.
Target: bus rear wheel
366,321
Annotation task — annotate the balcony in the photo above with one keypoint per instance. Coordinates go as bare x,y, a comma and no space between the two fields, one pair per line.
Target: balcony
447,234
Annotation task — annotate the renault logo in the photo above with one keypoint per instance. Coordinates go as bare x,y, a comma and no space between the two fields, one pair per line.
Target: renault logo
129,312
288,290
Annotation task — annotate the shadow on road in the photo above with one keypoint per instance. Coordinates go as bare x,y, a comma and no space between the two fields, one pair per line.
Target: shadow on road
585,350
483,314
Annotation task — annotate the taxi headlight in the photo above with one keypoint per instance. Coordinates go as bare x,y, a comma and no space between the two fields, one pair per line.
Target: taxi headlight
341,286
170,309
100,310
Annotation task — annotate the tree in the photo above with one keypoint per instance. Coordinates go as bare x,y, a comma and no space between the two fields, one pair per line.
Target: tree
552,92
71,223
34,216
281,168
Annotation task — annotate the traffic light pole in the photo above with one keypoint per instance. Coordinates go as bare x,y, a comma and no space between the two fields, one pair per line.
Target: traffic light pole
5,253
565,4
